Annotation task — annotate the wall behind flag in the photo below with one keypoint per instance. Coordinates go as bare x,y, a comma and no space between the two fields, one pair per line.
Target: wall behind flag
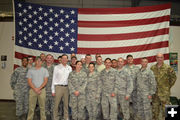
6,48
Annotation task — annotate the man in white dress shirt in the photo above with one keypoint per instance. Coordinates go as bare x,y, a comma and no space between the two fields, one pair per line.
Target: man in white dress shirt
60,86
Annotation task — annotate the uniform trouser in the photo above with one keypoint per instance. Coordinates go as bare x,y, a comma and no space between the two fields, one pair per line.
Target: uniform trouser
144,107
77,104
109,107
92,107
158,105
49,105
21,99
124,104
134,105
61,92
32,103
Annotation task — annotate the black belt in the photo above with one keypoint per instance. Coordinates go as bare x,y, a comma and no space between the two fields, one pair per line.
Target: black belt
63,85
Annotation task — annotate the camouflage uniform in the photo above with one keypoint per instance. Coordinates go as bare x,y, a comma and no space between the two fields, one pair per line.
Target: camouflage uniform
85,68
21,89
124,87
77,82
133,73
165,78
49,98
146,85
99,68
108,103
93,91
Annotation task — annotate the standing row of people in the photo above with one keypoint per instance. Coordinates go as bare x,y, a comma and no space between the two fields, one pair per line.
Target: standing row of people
96,87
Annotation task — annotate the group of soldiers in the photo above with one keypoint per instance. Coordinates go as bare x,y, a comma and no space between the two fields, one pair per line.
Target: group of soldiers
113,88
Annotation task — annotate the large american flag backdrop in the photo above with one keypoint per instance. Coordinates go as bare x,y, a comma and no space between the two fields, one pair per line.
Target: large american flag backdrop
112,32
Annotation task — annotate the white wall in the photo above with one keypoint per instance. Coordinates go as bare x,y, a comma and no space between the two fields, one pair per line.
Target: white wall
6,48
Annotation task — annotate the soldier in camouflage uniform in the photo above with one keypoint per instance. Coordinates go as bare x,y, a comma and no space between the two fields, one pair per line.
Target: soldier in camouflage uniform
133,73
20,86
109,100
99,64
93,91
146,87
49,98
165,78
77,81
86,64
124,88
43,58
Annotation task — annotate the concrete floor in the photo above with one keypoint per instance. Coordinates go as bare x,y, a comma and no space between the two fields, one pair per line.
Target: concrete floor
7,110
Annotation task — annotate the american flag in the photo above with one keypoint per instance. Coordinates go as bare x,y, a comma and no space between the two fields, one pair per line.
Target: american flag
111,32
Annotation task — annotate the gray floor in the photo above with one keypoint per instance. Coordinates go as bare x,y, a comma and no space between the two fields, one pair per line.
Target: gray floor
7,110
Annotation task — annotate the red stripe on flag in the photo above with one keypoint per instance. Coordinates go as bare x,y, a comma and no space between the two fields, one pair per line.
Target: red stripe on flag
123,10
124,23
117,50
21,55
126,36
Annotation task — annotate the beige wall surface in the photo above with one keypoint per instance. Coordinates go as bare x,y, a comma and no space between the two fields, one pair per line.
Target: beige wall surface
6,48
174,46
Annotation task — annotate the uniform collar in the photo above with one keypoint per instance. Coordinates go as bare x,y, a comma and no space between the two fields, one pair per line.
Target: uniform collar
143,69
163,65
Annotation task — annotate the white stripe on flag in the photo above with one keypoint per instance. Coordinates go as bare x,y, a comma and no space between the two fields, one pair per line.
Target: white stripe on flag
118,17
121,30
122,43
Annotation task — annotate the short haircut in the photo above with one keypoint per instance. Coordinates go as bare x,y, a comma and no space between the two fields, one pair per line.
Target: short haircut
120,58
30,57
129,56
42,54
60,57
38,58
73,53
78,62
113,60
24,58
107,59
144,58
91,63
97,54
88,55
65,55
50,55
73,57
99,57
